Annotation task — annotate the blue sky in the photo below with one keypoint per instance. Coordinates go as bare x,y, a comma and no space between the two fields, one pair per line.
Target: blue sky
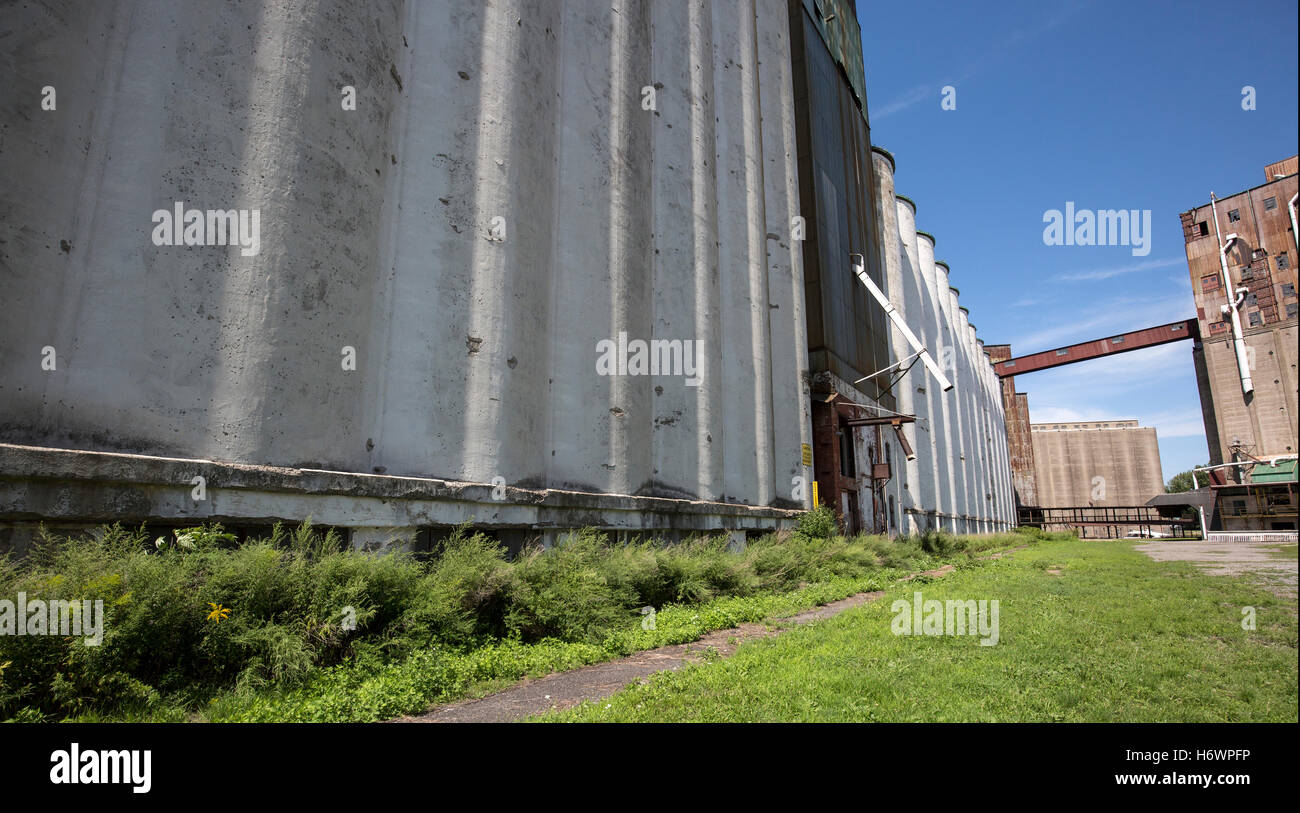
1112,105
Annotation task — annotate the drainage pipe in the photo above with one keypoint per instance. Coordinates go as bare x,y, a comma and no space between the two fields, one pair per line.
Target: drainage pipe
1238,339
1295,238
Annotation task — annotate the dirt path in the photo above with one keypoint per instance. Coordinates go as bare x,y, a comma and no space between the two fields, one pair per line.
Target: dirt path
1258,559
563,690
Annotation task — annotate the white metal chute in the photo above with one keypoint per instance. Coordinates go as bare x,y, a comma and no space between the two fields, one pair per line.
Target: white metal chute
890,311
1233,309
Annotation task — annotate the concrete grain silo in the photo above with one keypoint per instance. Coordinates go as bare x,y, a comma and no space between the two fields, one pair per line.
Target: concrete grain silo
979,447
970,430
962,457
943,417
927,396
462,212
535,265
902,290
949,440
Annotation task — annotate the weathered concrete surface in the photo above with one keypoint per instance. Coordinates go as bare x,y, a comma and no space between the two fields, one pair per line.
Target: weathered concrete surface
1068,461
476,339
1262,560
73,487
961,479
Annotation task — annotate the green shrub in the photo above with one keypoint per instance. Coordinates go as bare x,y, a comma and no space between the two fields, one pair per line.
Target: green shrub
194,615
819,523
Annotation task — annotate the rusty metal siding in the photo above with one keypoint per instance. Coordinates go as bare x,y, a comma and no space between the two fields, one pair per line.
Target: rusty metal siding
1264,262
837,23
847,330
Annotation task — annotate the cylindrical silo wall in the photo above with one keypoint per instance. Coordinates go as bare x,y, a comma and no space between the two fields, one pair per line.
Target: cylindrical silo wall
970,438
963,413
983,439
929,417
963,401
950,441
190,350
976,438
1004,457
788,348
907,478
992,426
1001,460
548,245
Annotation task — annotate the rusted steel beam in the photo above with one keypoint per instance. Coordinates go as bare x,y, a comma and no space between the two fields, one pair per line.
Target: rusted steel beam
1109,346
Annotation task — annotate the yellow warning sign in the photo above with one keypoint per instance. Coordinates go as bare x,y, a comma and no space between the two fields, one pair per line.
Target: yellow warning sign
816,500
807,455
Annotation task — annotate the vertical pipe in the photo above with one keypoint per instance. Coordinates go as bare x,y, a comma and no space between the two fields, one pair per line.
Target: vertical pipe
1234,304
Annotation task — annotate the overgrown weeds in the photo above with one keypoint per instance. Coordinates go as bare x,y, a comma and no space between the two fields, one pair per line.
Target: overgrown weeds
301,607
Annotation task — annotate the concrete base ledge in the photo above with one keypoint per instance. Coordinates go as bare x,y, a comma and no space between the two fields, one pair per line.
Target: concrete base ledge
68,487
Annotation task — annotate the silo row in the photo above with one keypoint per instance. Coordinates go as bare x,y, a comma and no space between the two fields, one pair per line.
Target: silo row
960,477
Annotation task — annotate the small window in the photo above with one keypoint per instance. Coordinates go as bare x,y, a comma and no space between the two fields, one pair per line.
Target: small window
1009,363
1203,227
1288,289
1255,319
1234,215
1062,352
1210,282
1178,327
893,523
1251,301
1270,204
1290,310
1117,340
1282,262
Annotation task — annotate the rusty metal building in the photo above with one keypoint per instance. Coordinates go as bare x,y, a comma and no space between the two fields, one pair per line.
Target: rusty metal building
1256,228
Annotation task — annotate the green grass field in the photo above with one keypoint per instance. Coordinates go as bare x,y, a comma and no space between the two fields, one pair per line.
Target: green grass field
1114,637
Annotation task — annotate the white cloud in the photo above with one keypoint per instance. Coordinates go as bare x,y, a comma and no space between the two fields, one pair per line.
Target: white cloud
1186,423
920,93
917,94
1104,318
1107,273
